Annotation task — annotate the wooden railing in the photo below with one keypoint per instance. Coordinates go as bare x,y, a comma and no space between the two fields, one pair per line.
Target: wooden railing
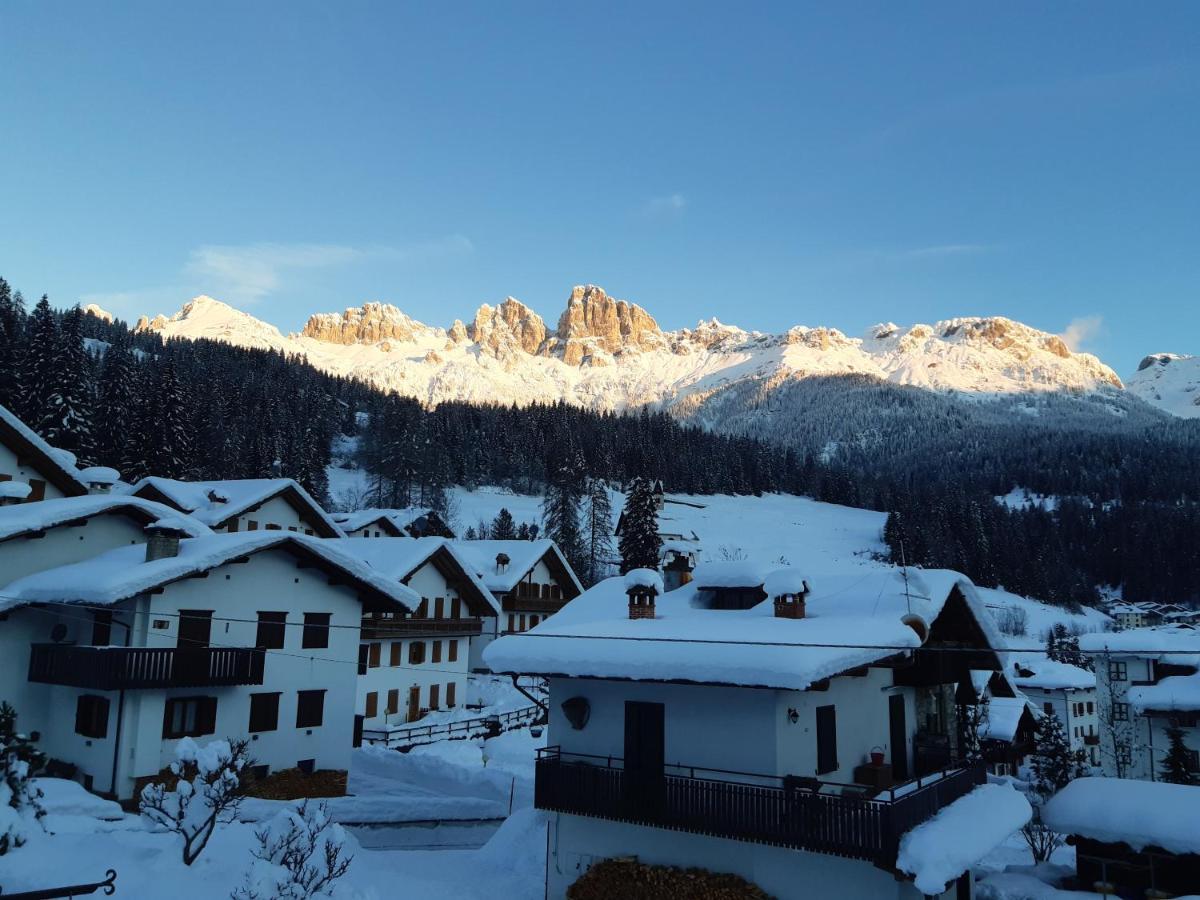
119,668
384,628
511,603
791,812
415,735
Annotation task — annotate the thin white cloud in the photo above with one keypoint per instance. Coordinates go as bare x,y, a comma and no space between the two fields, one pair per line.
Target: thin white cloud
939,251
1081,331
665,206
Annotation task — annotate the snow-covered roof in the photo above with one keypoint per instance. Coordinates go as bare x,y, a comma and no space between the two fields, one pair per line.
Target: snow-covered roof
522,556
1172,643
644,578
1120,810
124,572
15,490
215,502
56,465
99,475
26,518
400,557
1049,675
941,849
361,518
740,574
1175,693
785,581
1003,718
851,620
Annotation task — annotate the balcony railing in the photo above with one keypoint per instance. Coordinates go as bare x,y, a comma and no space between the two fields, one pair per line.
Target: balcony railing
511,603
800,813
119,668
384,628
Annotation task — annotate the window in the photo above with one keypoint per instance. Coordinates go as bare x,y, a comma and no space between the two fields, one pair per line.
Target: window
1117,670
522,622
362,659
1124,755
373,655
102,627
397,657
439,608
1091,708
195,627
393,701
316,631
416,653
452,651
307,766
1120,712
91,716
533,620
512,622
264,712
251,525
189,717
437,651
310,708
271,526
434,690
455,608
293,528
450,692
826,739
372,704
271,628
1049,708
423,609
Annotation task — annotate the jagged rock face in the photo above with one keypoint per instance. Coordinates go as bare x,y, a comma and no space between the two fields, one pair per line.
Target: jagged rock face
366,324
502,330
458,333
594,320
816,338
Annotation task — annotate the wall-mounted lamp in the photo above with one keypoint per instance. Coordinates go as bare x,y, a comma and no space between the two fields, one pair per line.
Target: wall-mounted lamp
792,715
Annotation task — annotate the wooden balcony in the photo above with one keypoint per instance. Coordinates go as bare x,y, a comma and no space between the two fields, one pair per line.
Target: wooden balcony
1092,740
800,813
376,629
511,603
123,668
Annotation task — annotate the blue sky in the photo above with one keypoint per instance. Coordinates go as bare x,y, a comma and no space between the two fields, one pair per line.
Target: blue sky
833,164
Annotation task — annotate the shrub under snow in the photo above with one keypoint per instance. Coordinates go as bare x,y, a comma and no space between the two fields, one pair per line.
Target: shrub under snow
18,795
301,853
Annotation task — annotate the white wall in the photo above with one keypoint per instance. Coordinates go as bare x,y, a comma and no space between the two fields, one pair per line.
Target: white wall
276,511
9,466
1136,733
66,544
1063,703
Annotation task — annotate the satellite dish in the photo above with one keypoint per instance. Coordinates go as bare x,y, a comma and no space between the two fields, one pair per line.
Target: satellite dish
58,633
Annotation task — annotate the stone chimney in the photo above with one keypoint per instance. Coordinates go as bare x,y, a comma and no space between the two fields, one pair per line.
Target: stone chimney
641,601
790,604
502,562
162,541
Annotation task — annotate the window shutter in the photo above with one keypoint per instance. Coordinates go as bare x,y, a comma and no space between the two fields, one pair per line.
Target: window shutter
206,715
437,651
372,705
826,739
450,693
452,647
373,661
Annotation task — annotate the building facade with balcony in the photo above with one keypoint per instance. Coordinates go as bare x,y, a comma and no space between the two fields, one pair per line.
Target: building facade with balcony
1147,681
1068,692
254,636
416,663
795,742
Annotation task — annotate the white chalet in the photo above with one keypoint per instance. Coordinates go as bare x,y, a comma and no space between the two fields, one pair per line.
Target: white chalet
410,664
26,459
804,741
411,522
1147,679
244,504
531,580
114,657
1067,691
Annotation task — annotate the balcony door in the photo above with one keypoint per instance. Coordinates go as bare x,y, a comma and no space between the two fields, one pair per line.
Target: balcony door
644,757
192,659
898,730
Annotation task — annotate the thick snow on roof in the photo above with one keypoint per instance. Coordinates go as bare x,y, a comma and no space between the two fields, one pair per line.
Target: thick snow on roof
212,502
1175,693
399,557
739,574
644,578
1003,717
1050,675
1171,643
57,458
15,490
100,475
360,518
522,556
124,572
27,517
1120,810
941,849
785,581
851,620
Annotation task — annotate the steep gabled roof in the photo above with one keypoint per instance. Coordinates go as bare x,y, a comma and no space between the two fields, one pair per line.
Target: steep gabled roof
47,461
30,518
215,503
124,572
401,557
361,518
522,557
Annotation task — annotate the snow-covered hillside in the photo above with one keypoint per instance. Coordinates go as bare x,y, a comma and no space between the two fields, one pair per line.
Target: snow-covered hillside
1170,382
608,354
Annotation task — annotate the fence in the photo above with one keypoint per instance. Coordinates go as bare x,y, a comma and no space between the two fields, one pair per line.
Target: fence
415,735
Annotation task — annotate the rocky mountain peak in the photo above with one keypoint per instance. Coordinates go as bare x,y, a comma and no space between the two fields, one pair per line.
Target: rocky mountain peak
593,320
503,330
366,324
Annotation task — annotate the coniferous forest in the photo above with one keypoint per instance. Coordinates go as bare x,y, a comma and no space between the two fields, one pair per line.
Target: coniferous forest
1125,487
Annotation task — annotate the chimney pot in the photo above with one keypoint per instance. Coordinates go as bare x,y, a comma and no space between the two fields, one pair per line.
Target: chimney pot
162,542
641,602
791,605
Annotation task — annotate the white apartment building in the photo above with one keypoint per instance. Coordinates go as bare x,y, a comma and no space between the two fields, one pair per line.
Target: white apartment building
1068,692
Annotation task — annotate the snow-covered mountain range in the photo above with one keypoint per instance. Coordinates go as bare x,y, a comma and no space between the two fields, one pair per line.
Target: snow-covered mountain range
1170,382
608,354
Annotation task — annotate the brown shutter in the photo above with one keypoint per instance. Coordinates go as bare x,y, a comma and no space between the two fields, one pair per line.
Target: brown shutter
372,705
373,658
439,608
393,701
452,651
397,647
206,715
434,690
456,608
437,651
450,693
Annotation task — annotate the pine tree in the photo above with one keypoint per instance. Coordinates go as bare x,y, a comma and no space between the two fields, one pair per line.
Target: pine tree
1054,764
597,528
503,528
1179,765
12,319
560,511
38,362
640,544
169,449
66,422
115,404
